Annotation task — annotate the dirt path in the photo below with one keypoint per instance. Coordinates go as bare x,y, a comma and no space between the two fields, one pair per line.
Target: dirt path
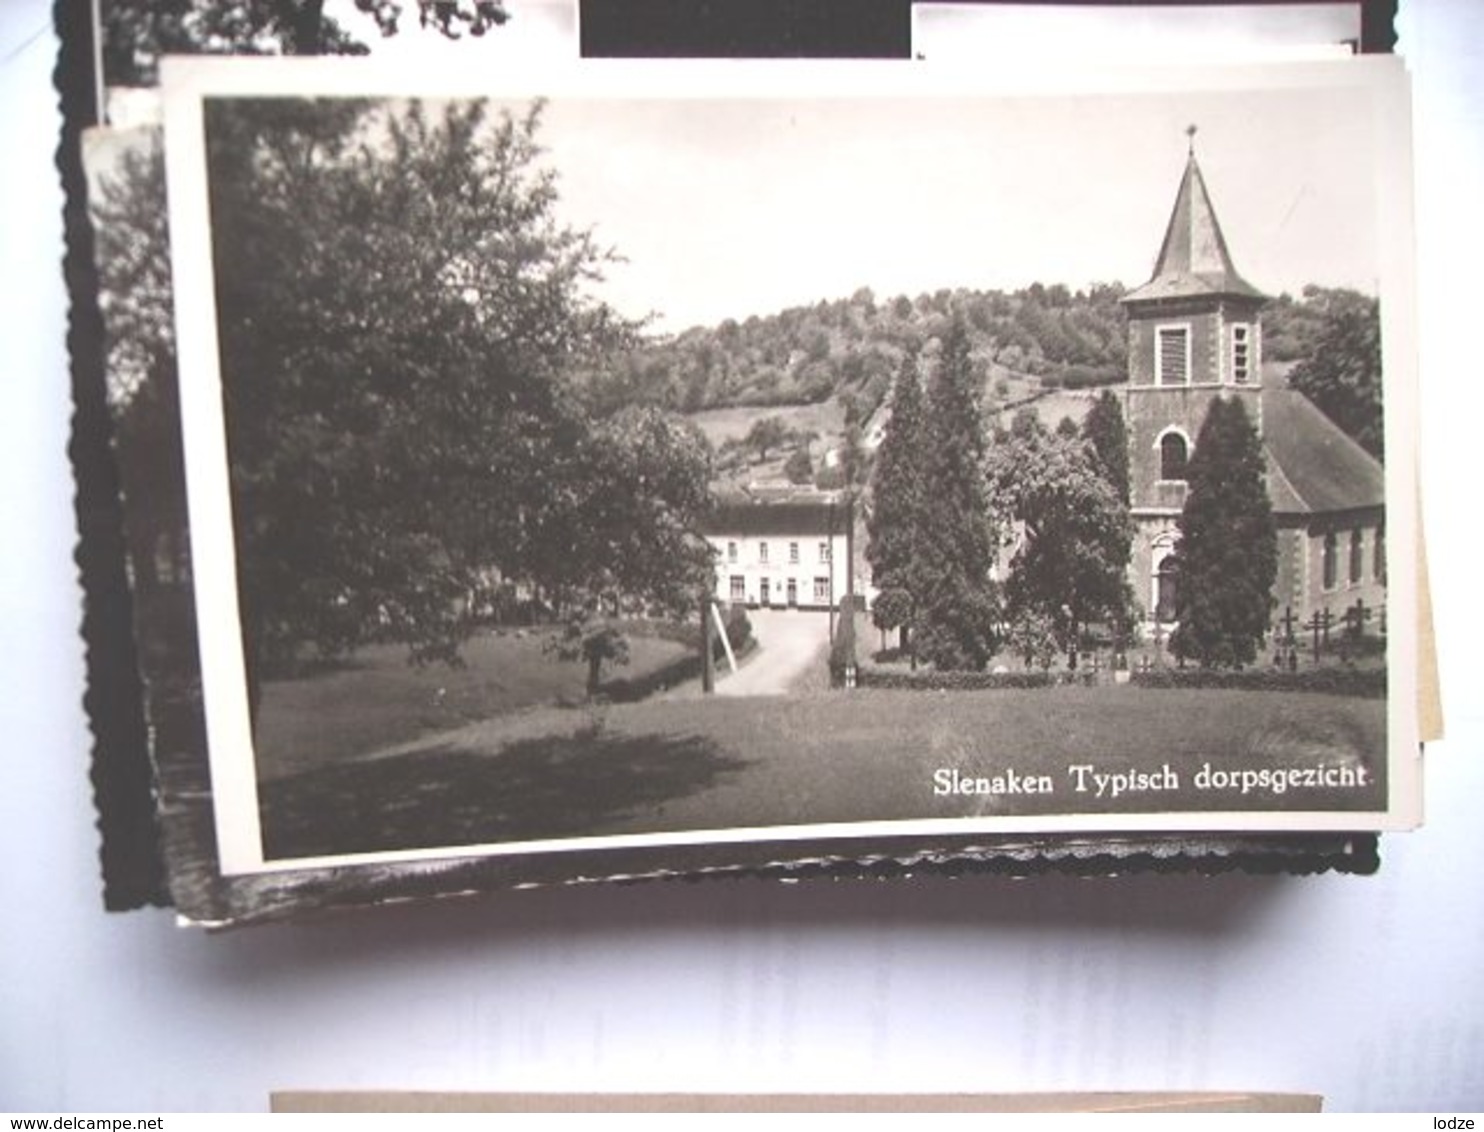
788,642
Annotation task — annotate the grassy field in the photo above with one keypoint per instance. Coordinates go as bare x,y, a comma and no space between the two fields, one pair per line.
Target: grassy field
719,425
1055,405
822,757
376,699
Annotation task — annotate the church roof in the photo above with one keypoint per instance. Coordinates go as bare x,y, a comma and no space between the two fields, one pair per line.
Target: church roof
1193,260
1313,466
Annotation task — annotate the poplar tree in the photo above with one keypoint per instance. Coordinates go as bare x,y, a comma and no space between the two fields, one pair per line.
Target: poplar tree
1105,430
1227,560
958,607
893,527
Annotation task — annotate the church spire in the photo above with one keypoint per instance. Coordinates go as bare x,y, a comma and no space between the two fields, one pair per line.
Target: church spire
1193,260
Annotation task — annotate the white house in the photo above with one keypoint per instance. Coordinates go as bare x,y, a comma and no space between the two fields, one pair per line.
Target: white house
784,548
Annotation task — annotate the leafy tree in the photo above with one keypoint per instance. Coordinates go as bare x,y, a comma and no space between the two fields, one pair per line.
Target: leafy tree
1032,637
766,435
137,32
1341,367
399,327
1104,429
799,468
894,537
958,604
133,254
1071,565
1227,559
855,464
595,646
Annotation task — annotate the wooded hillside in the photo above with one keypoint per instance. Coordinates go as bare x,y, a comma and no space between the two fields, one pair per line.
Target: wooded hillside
850,348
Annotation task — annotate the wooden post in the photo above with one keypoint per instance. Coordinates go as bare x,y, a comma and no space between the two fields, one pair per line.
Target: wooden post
708,643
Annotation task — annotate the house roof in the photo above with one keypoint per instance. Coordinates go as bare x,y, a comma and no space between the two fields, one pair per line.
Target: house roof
1312,465
1193,260
779,515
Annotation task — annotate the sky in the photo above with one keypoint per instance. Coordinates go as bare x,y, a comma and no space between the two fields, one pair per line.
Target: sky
727,205
729,208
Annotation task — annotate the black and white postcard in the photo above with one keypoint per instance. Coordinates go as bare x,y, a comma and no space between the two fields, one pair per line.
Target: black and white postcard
641,456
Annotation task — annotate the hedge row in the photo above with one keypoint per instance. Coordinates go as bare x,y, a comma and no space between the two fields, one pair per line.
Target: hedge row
931,681
1368,683
688,667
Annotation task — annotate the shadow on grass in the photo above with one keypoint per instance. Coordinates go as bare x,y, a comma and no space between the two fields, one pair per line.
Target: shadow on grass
445,795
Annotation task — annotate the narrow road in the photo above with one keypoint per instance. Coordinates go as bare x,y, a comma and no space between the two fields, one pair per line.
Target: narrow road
788,642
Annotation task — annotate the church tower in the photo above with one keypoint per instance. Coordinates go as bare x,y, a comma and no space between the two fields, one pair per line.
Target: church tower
1193,335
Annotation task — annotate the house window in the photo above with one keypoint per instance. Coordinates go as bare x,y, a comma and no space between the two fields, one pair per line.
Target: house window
1172,355
1357,556
1241,354
793,553
824,552
731,552
1174,455
762,552
739,588
821,591
1331,560
1378,559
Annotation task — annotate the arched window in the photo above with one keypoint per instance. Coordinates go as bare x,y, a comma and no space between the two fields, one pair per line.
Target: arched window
1357,556
1174,454
1331,560
1166,588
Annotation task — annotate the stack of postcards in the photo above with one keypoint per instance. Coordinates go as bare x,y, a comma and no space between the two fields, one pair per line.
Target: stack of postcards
541,474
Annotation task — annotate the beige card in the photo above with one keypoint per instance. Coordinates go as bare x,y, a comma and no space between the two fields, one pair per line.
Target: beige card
307,1101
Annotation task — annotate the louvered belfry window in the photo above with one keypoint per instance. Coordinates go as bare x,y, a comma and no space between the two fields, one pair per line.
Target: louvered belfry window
1241,354
1172,360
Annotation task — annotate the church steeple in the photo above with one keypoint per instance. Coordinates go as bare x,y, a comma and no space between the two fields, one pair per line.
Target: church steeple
1194,334
1193,260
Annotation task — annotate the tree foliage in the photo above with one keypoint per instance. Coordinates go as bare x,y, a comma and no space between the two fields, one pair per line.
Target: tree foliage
1104,429
137,32
799,468
958,606
1226,562
1340,364
399,324
850,349
895,544
133,251
767,435
1070,568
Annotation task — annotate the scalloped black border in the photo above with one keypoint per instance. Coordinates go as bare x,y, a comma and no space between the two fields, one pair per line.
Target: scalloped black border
129,852
134,873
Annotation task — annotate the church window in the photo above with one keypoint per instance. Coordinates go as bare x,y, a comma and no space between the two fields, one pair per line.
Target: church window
1357,556
1174,455
1378,559
1331,560
1172,355
1241,354
1165,589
